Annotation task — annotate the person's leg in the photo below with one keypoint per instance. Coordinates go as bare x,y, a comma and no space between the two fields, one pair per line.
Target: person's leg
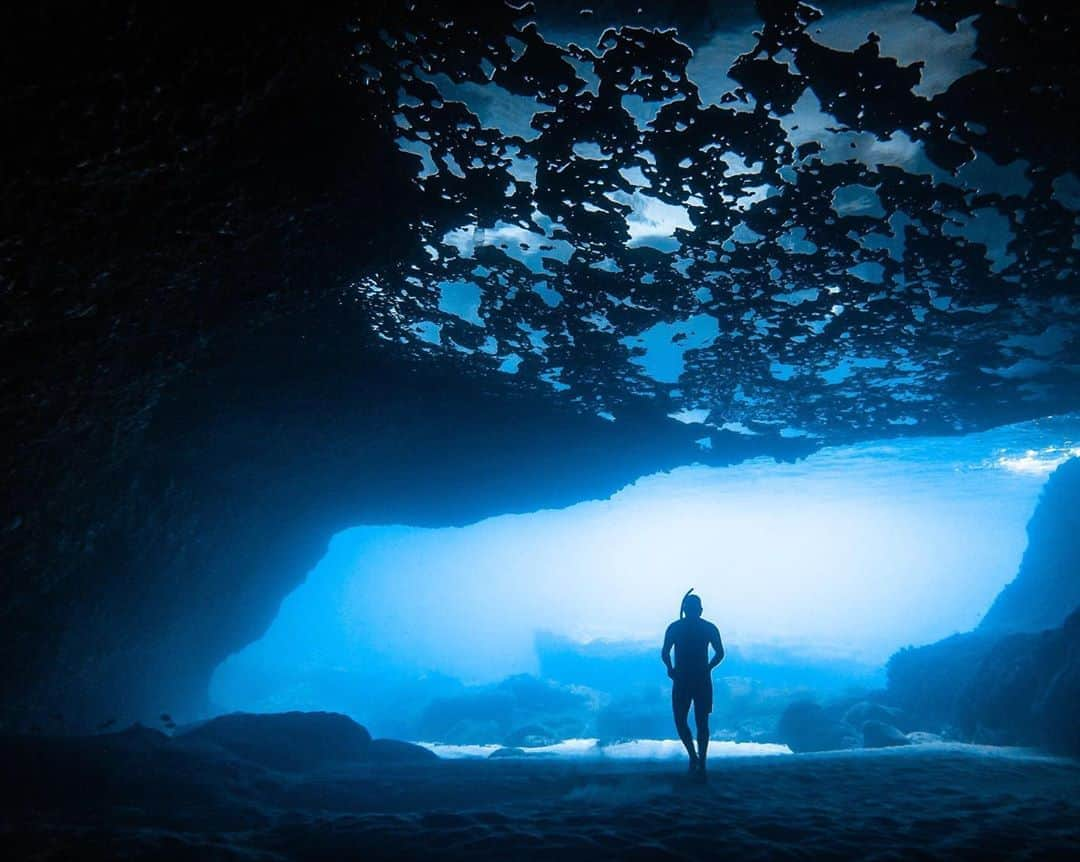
701,719
680,706
702,708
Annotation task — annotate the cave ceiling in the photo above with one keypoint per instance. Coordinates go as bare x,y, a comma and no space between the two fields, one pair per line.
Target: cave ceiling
776,221
287,268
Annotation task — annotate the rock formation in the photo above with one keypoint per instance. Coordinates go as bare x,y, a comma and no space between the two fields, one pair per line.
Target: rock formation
805,726
275,272
1016,678
298,741
1047,587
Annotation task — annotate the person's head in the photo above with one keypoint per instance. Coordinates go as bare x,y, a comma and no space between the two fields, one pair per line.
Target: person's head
691,605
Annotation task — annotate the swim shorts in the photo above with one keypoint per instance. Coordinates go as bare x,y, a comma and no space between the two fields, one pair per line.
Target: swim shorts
696,690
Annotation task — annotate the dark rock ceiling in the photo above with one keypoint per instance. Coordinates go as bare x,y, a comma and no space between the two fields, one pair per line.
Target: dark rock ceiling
807,243
274,271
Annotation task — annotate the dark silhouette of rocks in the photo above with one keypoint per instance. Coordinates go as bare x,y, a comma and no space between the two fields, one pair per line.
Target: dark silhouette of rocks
863,711
396,751
1047,586
288,740
804,726
501,753
1018,688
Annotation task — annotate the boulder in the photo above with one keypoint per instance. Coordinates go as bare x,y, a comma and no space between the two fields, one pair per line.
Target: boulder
865,710
296,741
878,734
396,751
804,727
501,753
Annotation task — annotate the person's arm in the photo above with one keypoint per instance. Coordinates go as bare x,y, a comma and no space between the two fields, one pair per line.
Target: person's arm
665,652
718,647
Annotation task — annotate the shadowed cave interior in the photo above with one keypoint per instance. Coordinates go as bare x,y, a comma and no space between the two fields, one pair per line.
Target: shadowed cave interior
401,364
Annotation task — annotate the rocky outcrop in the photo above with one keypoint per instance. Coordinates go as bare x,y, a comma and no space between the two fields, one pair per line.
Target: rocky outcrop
1047,587
504,753
294,741
858,714
1026,691
396,751
926,681
1018,689
805,726
1016,678
298,741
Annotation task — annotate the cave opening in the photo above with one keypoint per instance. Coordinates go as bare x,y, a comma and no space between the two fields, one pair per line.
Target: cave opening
381,376
546,625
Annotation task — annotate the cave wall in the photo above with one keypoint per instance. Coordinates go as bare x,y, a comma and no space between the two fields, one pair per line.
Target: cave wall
1014,679
1020,688
1047,586
176,182
245,473
191,406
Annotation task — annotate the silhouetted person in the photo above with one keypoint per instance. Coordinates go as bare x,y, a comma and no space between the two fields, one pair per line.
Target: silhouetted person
691,675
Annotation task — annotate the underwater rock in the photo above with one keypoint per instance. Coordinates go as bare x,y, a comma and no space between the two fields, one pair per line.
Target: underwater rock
1060,704
1047,586
512,752
878,734
926,681
1015,680
1018,689
396,751
500,753
804,726
921,737
865,711
1026,691
294,741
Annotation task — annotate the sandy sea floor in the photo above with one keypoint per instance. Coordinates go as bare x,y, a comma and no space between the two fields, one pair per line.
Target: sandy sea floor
937,801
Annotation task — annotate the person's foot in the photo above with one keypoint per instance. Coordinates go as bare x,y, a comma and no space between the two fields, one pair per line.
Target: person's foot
692,769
